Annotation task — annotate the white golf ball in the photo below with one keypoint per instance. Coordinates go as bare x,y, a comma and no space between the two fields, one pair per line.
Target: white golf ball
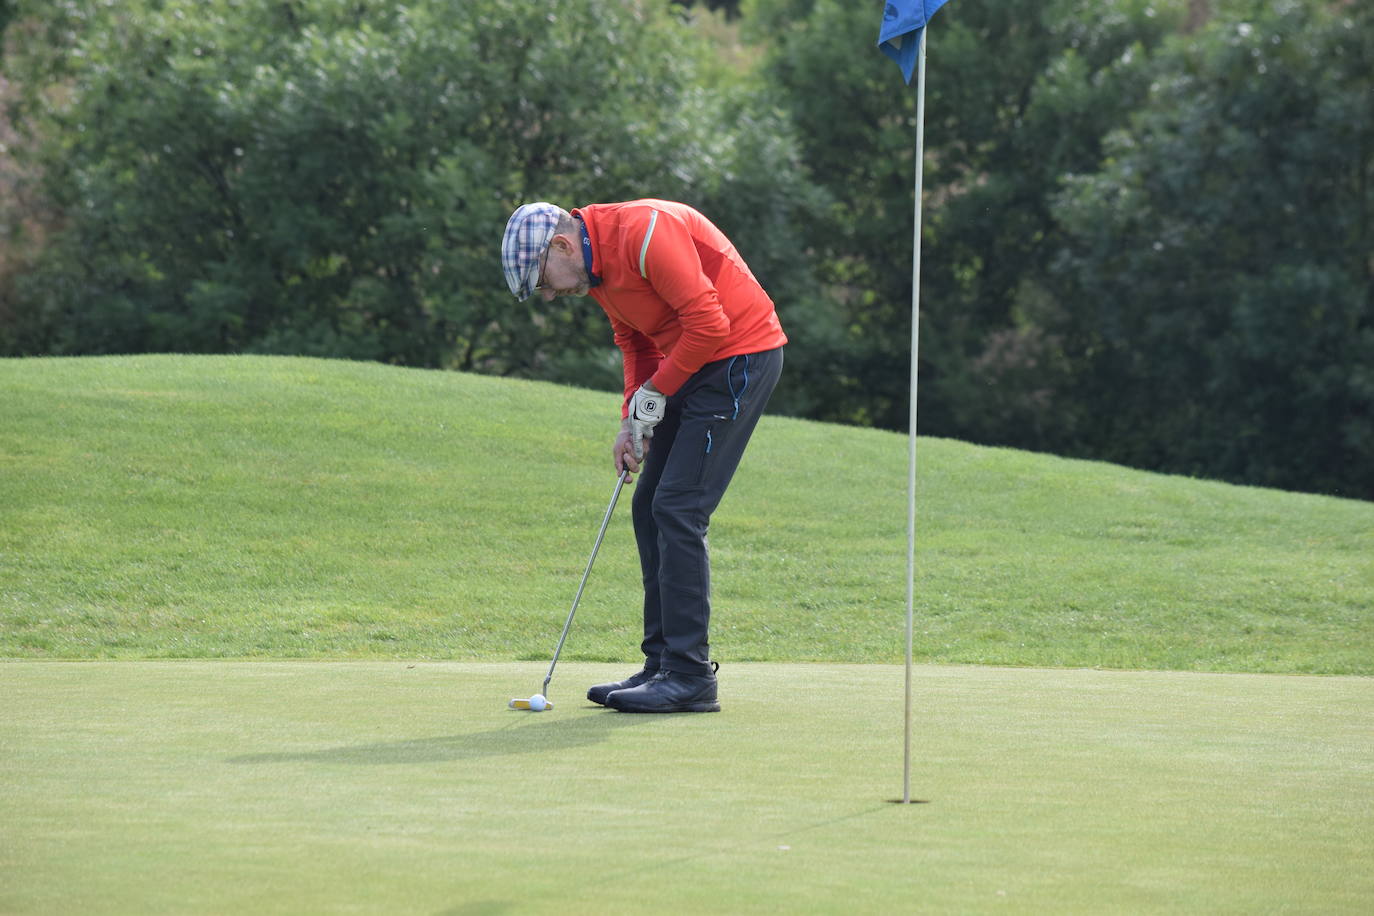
538,703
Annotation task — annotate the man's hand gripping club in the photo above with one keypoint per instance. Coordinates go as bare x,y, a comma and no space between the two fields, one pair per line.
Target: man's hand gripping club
646,410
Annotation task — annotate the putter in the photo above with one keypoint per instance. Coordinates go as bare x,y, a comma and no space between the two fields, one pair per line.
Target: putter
538,702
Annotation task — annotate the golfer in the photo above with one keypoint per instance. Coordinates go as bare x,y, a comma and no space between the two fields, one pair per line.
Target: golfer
702,350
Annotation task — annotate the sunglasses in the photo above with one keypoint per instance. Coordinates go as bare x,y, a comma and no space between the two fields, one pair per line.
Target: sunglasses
543,262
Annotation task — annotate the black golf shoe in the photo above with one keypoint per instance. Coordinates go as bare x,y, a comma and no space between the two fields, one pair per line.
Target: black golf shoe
599,693
669,691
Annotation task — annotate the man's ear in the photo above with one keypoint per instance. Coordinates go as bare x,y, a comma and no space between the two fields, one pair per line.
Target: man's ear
563,243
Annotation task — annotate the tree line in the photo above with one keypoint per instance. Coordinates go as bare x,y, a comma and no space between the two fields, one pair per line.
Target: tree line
1147,234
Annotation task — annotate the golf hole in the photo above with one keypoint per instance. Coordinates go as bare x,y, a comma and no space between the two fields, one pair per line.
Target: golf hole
914,801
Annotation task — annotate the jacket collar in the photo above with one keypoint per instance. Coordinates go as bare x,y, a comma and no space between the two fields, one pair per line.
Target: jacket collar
592,279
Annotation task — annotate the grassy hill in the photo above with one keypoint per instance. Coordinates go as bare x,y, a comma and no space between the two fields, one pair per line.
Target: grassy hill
168,506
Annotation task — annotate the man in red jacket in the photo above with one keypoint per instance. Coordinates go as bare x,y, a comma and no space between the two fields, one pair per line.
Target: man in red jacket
702,350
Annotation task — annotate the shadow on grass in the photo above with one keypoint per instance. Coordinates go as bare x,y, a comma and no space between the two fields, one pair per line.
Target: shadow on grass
526,734
481,908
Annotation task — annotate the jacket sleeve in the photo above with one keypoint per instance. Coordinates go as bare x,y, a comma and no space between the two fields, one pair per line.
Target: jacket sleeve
669,260
641,359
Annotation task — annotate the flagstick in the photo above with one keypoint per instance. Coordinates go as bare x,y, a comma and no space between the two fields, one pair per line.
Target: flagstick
915,350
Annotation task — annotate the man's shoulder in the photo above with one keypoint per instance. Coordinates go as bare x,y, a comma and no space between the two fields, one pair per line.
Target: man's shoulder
624,225
631,212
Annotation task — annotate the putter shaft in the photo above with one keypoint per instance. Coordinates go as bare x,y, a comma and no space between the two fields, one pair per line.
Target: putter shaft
600,535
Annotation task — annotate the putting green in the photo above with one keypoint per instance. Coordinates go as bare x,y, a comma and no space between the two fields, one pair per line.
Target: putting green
385,786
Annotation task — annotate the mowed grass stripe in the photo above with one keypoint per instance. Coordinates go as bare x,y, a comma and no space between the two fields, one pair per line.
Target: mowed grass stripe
205,786
255,507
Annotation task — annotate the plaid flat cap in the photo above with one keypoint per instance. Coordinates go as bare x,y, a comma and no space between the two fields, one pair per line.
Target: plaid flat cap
527,235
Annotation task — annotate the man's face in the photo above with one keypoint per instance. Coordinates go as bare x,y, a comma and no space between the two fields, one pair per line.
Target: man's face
564,273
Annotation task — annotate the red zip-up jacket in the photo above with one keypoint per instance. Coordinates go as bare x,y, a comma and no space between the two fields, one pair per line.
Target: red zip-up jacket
677,292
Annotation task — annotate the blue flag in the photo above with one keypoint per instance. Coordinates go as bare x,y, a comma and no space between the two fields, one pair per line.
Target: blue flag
900,36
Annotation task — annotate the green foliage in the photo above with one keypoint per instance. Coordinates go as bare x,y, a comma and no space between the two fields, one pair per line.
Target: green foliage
1139,244
1025,90
1146,230
1218,265
331,178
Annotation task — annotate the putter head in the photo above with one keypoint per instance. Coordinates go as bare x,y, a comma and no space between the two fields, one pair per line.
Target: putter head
523,703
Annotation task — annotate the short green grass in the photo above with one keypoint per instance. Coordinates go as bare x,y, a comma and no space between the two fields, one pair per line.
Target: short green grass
385,787
165,506
358,565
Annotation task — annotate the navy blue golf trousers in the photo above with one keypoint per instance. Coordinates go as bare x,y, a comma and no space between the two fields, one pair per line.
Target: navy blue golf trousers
691,459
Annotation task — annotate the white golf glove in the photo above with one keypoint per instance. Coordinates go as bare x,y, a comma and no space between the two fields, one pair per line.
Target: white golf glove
646,410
